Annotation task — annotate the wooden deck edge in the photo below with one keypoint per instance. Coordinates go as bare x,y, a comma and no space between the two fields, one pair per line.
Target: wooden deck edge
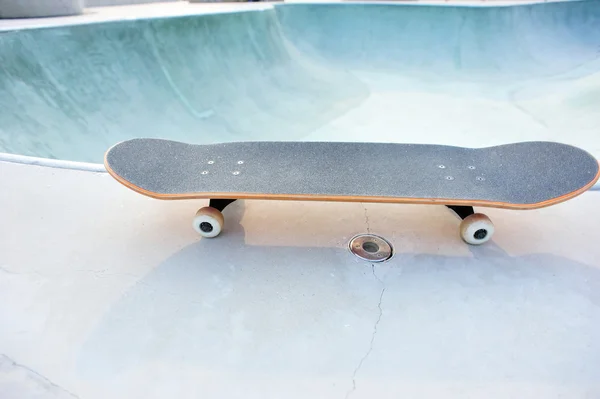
344,198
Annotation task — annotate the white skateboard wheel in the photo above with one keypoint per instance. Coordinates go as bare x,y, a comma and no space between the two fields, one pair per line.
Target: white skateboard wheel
208,222
476,229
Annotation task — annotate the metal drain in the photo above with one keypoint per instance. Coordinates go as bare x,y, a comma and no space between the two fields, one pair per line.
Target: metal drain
371,248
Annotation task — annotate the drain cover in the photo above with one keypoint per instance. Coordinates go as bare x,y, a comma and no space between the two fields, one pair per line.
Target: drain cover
371,247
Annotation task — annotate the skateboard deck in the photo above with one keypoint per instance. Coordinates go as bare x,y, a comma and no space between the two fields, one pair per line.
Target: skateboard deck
524,175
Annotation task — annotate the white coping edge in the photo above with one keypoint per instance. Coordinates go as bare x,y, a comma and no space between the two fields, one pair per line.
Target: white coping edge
52,163
103,17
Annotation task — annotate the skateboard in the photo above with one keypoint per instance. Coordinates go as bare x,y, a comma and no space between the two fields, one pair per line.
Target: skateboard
524,175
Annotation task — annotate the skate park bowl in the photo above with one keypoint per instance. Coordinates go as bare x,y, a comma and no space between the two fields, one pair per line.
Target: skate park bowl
106,293
457,75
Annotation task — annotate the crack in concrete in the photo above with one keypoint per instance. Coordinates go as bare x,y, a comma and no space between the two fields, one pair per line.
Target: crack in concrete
5,270
34,375
17,273
367,219
366,355
97,273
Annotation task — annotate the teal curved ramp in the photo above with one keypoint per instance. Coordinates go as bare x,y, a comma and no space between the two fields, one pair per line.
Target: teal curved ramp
460,75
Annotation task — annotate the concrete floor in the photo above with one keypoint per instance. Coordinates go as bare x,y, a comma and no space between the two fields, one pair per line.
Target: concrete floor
105,293
108,294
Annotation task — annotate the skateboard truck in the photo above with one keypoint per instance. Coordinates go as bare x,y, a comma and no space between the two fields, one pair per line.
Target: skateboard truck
462,211
220,204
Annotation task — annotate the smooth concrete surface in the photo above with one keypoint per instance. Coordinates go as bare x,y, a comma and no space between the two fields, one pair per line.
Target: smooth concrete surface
108,294
402,72
39,8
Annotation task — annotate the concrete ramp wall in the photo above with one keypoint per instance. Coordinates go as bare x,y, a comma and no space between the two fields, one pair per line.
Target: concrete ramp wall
522,41
71,92
472,76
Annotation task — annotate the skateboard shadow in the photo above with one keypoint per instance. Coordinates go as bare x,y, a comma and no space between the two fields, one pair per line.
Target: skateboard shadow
228,307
